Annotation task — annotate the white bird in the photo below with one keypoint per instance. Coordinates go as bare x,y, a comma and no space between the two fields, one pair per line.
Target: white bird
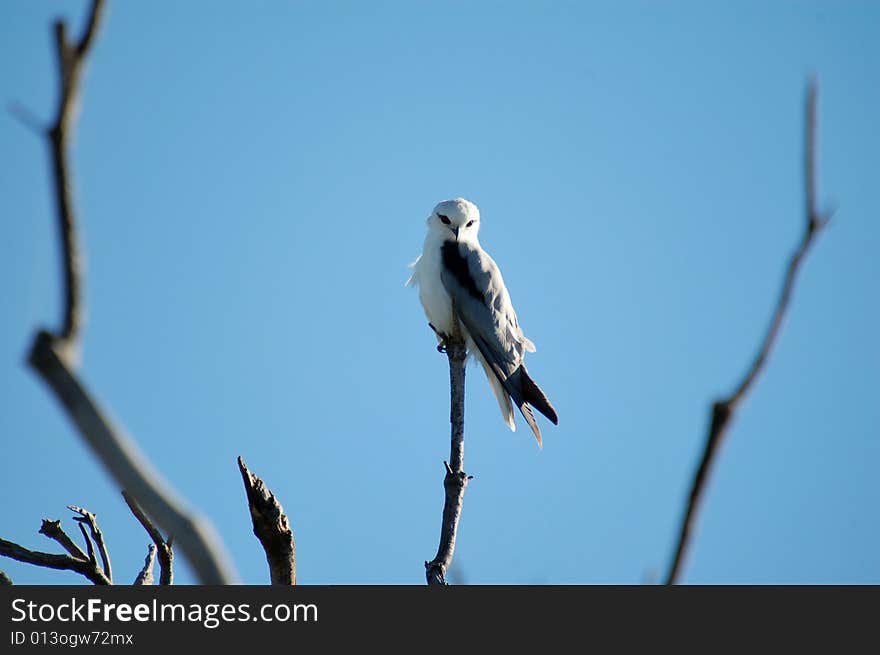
453,267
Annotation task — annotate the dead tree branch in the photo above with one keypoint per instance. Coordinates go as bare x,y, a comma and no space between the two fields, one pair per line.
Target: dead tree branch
86,517
89,546
54,355
164,548
53,530
271,527
724,409
71,61
145,577
85,565
455,481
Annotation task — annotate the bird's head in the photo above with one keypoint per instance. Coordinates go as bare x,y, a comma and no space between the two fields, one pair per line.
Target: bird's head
455,220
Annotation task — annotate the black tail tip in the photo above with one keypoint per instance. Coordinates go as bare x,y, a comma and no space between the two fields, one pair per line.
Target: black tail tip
533,395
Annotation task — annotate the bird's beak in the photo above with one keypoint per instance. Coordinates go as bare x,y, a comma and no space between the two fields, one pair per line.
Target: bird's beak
455,231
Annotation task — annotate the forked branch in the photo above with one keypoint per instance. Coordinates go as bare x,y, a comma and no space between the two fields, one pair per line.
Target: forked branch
89,519
84,563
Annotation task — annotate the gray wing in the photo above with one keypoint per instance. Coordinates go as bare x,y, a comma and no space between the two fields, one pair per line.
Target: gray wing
473,281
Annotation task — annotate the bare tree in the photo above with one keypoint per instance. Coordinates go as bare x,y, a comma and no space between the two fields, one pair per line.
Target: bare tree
55,357
55,354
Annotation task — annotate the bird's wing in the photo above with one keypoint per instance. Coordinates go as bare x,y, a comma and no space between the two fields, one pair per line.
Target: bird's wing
473,281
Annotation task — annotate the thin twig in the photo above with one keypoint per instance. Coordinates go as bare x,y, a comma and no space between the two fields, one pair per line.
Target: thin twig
89,546
53,355
164,547
455,481
271,527
85,516
145,577
26,117
724,409
53,530
52,561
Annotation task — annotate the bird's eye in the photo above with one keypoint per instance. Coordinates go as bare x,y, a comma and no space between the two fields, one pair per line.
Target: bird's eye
469,223
443,218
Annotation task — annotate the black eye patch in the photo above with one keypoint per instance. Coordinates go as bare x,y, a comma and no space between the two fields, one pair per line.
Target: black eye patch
443,218
469,223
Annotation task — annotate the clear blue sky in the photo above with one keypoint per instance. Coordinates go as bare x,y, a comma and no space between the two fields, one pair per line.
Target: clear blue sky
252,181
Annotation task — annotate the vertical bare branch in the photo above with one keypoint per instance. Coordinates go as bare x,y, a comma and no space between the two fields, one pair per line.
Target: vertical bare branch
271,527
89,546
164,547
145,577
53,355
71,61
455,481
91,520
724,409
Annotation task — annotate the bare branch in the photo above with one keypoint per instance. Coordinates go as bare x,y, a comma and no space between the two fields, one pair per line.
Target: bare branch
26,117
455,481
145,577
53,530
97,536
163,546
53,355
94,22
71,61
271,527
724,409
92,559
52,561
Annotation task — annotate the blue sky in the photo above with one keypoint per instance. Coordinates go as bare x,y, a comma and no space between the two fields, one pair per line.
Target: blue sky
252,181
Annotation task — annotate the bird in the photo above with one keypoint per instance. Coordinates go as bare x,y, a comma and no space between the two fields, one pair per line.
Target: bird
454,269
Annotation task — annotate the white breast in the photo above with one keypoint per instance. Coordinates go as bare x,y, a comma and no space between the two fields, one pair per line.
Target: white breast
432,293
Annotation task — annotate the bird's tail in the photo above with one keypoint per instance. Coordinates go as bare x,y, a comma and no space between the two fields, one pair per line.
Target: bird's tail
527,394
500,392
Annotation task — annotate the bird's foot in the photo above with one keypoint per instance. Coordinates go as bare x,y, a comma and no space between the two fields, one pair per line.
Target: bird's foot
441,347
